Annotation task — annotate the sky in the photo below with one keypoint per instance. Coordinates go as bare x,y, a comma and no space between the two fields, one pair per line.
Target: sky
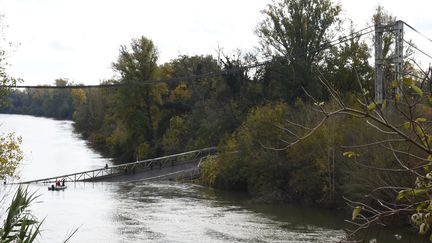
80,39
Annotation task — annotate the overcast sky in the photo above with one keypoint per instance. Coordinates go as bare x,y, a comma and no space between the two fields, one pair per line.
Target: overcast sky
79,39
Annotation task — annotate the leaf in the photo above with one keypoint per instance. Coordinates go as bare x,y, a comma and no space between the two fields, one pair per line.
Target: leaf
417,90
384,105
421,119
426,168
408,81
407,125
350,154
411,192
365,92
356,212
420,131
371,106
401,194
429,139
397,97
422,206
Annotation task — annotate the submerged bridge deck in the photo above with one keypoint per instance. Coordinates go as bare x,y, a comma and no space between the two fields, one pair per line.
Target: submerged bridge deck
162,167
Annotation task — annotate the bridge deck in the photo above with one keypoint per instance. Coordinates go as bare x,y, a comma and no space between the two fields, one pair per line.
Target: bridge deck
140,170
171,172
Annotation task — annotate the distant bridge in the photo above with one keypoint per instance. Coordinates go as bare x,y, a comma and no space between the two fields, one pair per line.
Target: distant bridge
171,166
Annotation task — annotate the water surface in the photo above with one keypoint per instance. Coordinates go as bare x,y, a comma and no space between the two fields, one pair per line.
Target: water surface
149,211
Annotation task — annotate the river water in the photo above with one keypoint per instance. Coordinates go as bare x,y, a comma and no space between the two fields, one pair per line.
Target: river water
149,212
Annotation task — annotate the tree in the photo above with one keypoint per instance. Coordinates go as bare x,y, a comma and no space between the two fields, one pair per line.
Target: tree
192,109
401,132
348,62
293,33
10,155
62,99
244,162
137,106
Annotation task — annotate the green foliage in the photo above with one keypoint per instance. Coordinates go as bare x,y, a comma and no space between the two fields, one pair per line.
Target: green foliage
55,103
417,90
365,168
175,137
245,161
294,27
347,66
350,154
356,212
293,32
10,154
226,172
371,106
19,225
137,106
245,113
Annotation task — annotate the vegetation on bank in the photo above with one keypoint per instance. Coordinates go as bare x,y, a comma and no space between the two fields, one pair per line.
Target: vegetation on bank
286,130
242,111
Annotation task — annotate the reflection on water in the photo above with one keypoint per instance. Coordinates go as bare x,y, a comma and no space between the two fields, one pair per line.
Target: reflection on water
165,212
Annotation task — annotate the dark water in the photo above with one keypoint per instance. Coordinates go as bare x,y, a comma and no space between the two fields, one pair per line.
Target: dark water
151,212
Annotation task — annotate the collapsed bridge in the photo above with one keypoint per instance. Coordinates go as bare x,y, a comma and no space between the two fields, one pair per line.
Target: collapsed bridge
182,165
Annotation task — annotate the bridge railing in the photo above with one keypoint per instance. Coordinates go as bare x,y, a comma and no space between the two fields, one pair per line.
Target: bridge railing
130,168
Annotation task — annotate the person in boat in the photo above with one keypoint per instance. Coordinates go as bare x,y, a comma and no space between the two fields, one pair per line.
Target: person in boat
63,182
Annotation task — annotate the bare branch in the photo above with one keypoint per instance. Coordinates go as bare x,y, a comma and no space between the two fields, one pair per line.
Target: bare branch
297,125
402,164
308,134
373,143
379,129
379,168
287,130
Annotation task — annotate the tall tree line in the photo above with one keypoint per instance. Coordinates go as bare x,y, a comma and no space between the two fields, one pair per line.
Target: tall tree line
243,110
41,102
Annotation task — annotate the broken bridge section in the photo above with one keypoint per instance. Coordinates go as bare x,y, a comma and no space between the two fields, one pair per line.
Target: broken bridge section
166,167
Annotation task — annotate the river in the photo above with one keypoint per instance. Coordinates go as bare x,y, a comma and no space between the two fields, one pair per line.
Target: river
149,212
